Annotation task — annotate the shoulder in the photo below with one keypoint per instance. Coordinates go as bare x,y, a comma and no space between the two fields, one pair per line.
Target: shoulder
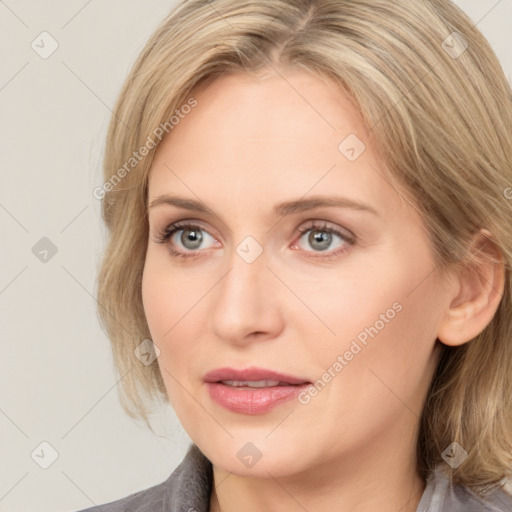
495,500
187,488
442,496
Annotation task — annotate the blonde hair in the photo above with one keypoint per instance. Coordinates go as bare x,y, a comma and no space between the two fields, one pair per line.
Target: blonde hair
439,113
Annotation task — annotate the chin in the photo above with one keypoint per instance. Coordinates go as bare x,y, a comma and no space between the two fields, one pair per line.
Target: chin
258,458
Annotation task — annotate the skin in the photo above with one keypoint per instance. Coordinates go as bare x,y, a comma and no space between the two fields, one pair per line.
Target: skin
250,143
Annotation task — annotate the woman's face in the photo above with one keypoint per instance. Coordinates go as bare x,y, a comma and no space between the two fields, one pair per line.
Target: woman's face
304,261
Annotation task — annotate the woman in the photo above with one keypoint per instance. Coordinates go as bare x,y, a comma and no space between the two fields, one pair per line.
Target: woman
310,245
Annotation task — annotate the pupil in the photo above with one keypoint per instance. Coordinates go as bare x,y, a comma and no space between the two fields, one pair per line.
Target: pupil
320,236
193,236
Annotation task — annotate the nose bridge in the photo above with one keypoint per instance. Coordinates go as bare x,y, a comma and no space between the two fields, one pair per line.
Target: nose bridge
242,283
245,301
248,265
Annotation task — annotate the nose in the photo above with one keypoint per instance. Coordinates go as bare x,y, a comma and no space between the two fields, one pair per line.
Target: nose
246,305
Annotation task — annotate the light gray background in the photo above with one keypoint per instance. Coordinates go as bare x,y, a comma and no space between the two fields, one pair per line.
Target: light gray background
57,379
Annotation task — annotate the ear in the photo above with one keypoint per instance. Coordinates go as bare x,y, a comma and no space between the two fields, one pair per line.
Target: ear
477,292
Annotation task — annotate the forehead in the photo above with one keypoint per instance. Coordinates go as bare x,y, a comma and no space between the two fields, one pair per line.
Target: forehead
277,136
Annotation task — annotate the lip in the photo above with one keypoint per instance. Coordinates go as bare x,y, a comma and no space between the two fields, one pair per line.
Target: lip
252,373
256,400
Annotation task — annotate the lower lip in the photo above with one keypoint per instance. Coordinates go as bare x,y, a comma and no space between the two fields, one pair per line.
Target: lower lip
252,401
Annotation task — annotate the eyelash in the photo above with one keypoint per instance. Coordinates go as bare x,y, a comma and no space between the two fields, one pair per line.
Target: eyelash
164,236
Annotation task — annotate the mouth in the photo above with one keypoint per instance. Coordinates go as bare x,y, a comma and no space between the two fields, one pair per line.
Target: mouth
256,377
251,384
252,390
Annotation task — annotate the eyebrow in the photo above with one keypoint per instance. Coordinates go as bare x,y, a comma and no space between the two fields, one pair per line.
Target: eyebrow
281,209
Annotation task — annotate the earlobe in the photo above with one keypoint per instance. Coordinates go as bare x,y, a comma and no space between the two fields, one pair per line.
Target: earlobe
479,288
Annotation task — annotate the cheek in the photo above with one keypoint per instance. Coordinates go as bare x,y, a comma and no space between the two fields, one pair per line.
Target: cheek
346,303
163,308
386,302
385,326
176,308
168,294
155,299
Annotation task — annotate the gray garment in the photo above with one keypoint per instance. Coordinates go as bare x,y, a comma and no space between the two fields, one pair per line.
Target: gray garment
189,486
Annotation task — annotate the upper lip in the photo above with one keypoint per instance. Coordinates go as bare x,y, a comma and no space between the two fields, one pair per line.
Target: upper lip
251,374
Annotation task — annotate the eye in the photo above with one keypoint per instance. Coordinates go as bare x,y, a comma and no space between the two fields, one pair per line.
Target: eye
322,237
191,238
